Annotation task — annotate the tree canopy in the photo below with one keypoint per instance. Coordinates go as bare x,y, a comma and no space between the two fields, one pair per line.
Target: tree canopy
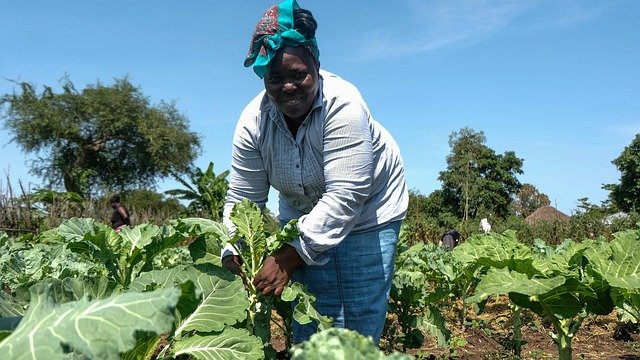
626,194
477,180
529,199
103,138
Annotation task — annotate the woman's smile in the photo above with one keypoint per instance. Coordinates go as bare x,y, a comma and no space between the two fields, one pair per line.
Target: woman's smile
292,82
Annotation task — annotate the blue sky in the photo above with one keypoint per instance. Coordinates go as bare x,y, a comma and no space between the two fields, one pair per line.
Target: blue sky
556,81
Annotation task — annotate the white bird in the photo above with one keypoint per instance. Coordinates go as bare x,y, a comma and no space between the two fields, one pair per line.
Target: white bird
484,225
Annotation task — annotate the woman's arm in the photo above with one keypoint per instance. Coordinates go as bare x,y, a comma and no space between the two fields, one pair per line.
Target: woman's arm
249,178
348,172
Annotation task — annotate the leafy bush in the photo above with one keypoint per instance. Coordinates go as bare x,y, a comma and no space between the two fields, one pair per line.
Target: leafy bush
563,283
340,344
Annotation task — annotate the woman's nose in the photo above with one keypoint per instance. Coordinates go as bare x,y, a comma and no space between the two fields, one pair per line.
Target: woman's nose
289,86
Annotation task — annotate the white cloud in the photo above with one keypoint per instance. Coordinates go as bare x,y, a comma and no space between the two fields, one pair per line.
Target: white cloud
432,25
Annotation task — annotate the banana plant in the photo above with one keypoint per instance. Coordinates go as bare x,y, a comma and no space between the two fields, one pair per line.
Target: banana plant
206,194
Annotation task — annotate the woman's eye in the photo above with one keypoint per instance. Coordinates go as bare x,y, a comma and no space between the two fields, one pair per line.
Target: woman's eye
300,75
274,79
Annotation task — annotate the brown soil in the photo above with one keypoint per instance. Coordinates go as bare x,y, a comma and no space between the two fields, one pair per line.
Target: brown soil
487,337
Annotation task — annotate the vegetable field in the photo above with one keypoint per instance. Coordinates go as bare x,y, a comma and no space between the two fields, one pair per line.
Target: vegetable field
493,296
83,291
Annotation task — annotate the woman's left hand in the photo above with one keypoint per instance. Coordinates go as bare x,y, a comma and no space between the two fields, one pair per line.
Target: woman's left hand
277,270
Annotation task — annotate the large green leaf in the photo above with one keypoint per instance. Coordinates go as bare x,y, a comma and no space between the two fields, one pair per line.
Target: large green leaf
206,249
564,301
91,287
628,304
9,306
496,250
433,322
229,344
101,329
223,299
305,311
200,226
504,281
249,226
140,236
620,264
75,229
87,236
564,259
340,344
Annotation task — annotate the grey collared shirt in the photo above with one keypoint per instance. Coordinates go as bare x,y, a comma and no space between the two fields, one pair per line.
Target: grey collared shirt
342,173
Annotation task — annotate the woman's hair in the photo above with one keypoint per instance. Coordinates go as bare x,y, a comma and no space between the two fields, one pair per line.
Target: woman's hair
304,23
115,198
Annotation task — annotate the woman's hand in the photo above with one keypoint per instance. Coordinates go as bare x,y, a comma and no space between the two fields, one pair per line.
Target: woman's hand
233,263
277,270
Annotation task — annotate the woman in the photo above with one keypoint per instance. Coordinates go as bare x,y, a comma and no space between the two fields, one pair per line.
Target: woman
120,216
310,135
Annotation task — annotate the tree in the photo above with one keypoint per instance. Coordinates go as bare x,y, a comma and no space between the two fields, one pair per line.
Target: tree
529,199
477,180
206,196
103,138
140,201
626,194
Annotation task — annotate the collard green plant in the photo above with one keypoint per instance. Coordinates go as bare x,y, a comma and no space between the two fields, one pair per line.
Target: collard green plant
617,262
417,291
25,264
208,324
100,329
227,318
337,343
125,254
256,246
553,282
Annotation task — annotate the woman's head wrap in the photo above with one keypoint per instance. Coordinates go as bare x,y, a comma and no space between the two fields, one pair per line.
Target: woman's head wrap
273,32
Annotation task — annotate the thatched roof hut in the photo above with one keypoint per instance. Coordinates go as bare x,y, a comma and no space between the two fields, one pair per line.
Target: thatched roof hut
546,213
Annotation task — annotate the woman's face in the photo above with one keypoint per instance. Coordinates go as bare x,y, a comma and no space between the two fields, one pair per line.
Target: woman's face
292,82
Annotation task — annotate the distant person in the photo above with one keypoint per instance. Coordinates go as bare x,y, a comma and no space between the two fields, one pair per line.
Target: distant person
450,239
484,225
120,216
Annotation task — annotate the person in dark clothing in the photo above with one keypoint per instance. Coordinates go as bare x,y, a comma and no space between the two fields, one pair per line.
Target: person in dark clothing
450,239
120,216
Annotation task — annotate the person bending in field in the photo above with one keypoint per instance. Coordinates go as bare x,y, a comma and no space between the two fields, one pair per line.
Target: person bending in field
310,135
120,216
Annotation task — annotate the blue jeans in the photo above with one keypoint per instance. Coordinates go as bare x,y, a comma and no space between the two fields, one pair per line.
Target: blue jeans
353,287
